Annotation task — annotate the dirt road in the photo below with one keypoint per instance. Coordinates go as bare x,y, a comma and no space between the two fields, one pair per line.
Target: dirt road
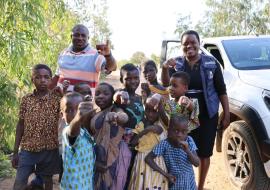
217,178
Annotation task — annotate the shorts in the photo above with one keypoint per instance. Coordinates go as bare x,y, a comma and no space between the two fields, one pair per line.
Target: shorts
44,163
204,136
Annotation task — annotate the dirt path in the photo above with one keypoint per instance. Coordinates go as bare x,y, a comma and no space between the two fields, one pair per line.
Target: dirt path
217,178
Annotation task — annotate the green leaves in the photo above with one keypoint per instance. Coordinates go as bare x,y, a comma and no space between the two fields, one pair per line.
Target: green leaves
6,169
8,104
32,31
235,17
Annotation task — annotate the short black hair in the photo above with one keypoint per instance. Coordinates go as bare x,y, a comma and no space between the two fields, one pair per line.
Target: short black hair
70,95
177,118
42,66
183,76
77,86
108,85
127,68
150,63
190,32
77,26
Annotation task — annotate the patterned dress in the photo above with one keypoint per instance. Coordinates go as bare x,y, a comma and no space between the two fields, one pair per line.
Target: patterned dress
111,151
135,112
178,164
171,107
142,176
78,162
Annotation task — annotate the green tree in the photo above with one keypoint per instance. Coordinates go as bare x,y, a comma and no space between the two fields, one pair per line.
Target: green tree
122,62
183,24
32,31
138,57
235,17
156,59
93,13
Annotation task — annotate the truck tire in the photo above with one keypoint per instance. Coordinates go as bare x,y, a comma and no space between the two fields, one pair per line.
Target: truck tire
242,159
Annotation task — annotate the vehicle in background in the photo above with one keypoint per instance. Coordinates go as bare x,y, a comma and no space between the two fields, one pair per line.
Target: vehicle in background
245,144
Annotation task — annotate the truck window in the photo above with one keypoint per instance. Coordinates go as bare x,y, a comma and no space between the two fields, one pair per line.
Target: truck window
213,49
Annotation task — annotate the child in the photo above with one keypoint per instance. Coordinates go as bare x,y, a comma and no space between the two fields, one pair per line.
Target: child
36,132
78,153
149,133
179,153
130,102
112,153
84,89
152,86
179,103
127,98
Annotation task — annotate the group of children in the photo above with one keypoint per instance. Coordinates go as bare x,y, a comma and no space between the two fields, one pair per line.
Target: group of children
120,140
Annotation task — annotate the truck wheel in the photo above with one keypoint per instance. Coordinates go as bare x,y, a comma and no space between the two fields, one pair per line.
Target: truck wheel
242,159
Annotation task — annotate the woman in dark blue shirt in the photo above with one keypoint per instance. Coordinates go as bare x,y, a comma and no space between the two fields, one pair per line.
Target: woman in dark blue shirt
207,85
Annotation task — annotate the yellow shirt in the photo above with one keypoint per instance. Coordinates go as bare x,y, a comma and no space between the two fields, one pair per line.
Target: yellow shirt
150,140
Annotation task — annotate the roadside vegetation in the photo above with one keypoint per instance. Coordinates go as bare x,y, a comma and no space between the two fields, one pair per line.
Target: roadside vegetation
34,31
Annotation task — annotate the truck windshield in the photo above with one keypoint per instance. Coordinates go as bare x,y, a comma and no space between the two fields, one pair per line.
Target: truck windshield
248,54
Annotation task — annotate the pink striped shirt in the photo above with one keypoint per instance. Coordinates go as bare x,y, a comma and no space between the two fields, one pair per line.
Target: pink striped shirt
83,66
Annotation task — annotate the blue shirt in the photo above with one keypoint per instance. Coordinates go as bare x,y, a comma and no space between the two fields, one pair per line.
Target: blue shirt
178,164
78,162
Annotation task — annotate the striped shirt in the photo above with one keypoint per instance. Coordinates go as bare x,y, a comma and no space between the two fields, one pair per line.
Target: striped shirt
83,66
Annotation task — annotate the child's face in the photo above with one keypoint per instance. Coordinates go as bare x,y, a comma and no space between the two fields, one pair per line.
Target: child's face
41,79
178,131
84,90
151,114
69,108
150,73
103,96
131,80
177,87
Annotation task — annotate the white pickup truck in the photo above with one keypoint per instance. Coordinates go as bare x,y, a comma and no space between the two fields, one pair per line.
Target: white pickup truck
246,142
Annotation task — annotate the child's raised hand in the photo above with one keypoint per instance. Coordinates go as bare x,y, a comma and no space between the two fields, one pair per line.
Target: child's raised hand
184,101
171,178
121,97
58,90
154,101
65,85
112,118
62,89
184,145
85,110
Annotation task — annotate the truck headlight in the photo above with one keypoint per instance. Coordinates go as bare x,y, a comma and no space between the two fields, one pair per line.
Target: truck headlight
266,98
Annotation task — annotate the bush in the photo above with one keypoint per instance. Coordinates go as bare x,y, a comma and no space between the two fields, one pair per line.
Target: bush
6,169
8,111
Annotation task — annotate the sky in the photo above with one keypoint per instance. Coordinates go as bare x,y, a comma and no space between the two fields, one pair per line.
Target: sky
141,25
